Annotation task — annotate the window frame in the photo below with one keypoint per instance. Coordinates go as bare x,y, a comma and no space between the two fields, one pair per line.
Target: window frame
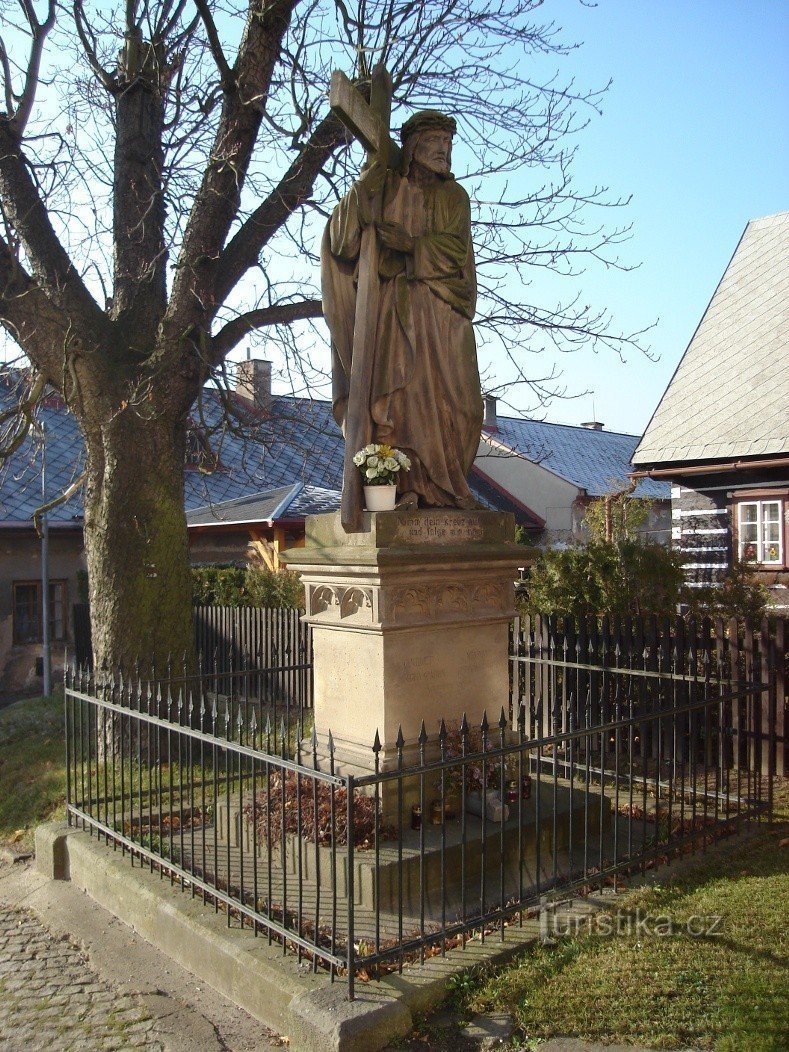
758,499
57,582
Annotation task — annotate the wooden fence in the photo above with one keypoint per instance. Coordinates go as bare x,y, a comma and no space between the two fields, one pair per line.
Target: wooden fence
562,669
272,648
273,641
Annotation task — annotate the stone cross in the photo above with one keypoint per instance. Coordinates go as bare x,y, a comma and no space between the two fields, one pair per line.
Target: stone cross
369,123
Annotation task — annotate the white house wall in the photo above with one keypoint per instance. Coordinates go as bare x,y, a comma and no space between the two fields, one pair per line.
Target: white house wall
551,497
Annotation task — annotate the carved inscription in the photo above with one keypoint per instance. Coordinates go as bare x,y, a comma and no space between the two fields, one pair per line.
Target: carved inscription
411,604
441,528
417,670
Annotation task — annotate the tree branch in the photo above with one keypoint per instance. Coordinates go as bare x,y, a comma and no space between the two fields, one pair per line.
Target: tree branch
39,31
225,72
30,318
281,314
216,202
67,494
139,284
17,421
88,42
28,216
245,246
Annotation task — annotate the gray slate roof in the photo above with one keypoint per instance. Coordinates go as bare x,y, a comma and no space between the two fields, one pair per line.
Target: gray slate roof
729,396
299,443
594,461
285,502
20,477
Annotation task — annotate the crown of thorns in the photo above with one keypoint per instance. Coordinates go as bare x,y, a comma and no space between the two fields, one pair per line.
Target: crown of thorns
427,119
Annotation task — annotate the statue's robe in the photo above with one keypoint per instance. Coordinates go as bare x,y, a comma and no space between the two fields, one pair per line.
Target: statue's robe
426,396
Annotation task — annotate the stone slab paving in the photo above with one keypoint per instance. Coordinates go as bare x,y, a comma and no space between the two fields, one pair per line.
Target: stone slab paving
50,996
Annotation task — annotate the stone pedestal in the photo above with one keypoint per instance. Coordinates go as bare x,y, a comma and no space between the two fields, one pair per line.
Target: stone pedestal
410,622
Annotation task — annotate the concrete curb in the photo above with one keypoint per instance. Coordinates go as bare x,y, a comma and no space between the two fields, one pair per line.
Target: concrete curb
315,1014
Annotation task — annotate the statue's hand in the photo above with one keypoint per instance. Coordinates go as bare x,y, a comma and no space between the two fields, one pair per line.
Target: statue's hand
396,237
372,179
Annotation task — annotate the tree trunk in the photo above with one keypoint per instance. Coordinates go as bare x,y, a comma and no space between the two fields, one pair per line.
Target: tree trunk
136,544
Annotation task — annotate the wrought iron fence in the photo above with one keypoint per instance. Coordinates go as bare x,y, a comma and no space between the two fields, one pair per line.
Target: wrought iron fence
575,655
463,831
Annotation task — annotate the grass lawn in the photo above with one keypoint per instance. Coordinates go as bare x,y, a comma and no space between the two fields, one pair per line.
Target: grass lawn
33,771
32,768
727,992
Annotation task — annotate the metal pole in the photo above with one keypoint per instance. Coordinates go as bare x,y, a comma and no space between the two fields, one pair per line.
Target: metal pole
45,632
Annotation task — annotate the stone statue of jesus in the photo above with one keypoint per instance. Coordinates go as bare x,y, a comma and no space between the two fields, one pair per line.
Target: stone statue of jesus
425,391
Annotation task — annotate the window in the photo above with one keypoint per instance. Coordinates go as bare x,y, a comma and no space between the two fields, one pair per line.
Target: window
27,611
760,531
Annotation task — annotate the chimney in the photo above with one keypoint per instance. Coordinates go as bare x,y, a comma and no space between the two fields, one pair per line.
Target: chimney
489,423
253,382
593,425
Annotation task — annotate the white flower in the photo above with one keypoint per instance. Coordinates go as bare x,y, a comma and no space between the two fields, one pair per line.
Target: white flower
376,467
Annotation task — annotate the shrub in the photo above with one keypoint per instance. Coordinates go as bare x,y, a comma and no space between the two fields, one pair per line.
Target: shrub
741,595
615,578
250,586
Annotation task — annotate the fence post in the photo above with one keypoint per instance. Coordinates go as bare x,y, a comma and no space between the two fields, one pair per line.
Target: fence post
767,715
351,892
779,661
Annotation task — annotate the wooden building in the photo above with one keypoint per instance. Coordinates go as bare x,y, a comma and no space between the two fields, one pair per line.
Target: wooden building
720,434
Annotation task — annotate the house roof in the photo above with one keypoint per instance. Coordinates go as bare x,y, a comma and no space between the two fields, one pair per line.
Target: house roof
297,443
284,502
21,492
593,461
729,395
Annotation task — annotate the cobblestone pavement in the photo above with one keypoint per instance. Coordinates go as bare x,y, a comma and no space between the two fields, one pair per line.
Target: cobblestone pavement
51,998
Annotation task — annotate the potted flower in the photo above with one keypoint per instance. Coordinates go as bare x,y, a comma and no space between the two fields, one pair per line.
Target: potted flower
380,464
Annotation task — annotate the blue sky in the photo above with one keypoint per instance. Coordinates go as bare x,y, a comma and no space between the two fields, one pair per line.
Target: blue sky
696,128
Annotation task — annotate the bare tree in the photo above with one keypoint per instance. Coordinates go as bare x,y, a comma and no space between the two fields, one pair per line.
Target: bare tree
165,163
